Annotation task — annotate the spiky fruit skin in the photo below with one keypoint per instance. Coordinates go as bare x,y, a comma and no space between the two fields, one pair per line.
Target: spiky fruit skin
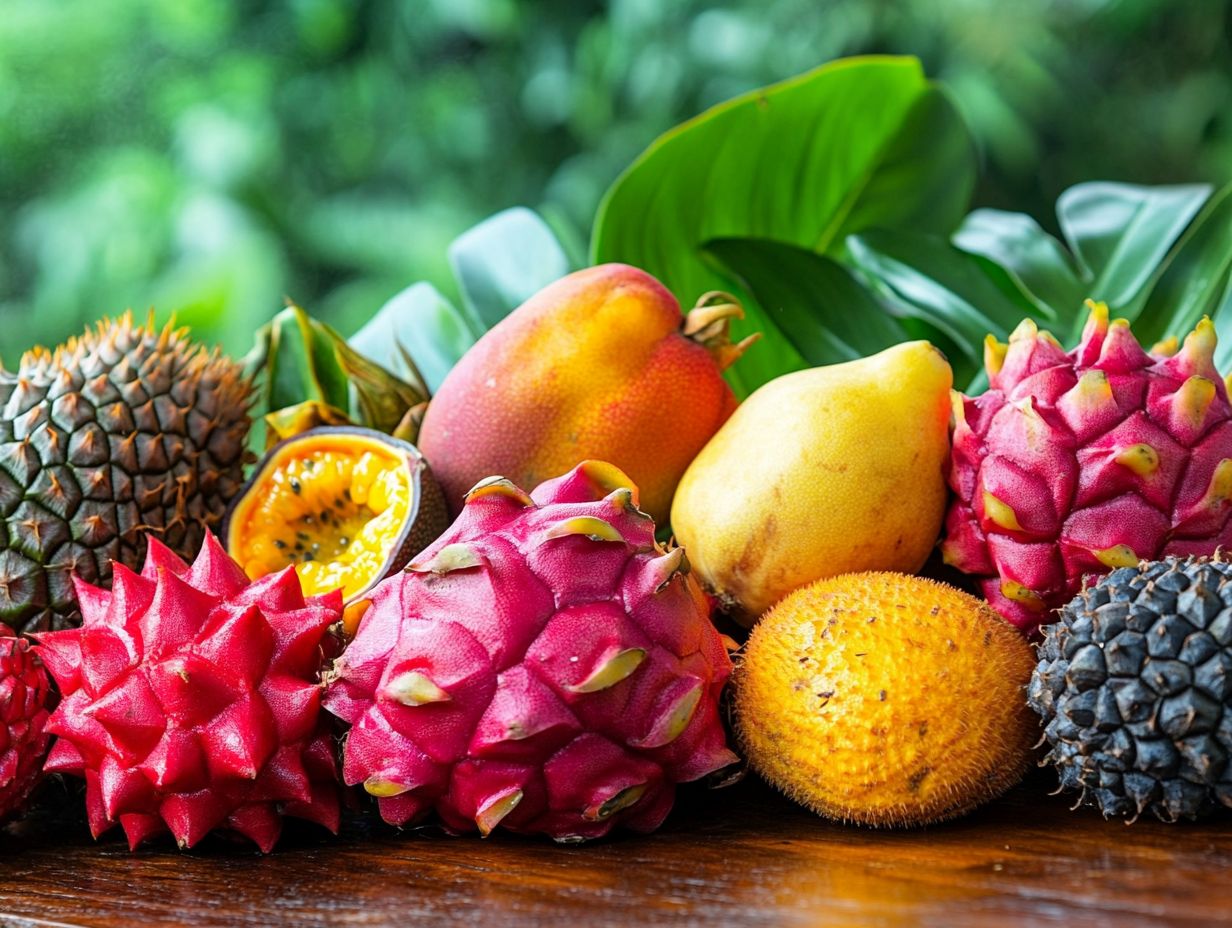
1074,463
1134,684
190,701
885,699
25,697
124,431
596,365
544,666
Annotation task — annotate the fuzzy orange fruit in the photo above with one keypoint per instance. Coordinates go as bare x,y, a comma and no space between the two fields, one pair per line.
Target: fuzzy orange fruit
600,364
885,699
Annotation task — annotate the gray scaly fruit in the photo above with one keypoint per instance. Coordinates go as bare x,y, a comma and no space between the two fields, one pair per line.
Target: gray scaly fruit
1134,684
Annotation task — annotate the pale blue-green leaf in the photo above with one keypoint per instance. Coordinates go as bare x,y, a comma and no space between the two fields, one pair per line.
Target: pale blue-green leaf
503,261
422,323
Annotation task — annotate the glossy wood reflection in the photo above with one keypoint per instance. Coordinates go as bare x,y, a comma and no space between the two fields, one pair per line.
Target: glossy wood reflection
742,856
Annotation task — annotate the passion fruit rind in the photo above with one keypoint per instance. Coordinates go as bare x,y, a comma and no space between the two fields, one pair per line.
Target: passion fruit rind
345,506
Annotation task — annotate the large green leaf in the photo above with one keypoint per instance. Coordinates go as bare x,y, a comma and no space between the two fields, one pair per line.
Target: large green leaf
828,316
961,296
923,178
1122,235
1140,249
1037,261
854,144
1223,327
1196,280
503,261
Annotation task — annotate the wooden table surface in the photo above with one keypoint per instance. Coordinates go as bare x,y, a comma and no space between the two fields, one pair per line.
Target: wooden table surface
740,856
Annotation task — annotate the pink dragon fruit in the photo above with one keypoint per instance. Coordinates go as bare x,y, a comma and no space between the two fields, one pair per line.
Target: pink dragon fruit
25,694
190,700
544,666
1074,464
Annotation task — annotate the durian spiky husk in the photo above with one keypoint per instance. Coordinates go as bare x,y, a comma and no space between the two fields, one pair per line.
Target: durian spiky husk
125,429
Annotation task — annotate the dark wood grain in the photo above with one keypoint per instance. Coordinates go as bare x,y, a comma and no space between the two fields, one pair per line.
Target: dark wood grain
741,856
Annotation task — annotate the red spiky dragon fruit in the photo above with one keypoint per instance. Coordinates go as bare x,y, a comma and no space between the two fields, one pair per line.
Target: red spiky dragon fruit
1072,464
25,693
544,665
190,700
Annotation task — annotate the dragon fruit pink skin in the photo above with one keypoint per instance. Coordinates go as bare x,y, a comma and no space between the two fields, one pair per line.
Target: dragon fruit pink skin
1073,464
25,693
190,701
544,665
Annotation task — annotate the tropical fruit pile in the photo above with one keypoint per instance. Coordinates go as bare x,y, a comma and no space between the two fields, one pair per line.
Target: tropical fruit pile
212,655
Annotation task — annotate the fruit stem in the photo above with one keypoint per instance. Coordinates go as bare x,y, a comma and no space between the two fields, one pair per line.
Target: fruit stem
708,322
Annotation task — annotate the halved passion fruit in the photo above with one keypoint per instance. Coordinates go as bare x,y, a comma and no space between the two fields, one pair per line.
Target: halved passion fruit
345,506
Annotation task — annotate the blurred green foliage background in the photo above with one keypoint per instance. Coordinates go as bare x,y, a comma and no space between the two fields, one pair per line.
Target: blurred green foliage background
208,157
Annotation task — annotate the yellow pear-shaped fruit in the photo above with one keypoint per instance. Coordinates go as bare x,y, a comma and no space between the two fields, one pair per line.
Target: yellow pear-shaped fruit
820,472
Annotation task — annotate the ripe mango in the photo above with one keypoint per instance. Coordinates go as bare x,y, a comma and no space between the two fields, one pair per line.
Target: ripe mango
820,472
600,364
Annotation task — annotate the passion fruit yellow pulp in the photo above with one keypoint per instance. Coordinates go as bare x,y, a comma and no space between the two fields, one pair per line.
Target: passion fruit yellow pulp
345,507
